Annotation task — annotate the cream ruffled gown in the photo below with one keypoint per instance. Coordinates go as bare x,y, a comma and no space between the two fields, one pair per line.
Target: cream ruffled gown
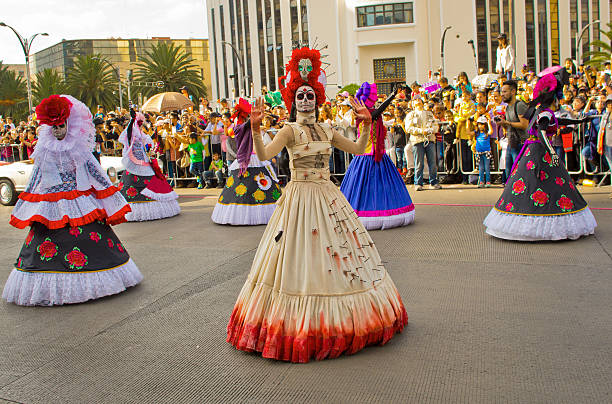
317,287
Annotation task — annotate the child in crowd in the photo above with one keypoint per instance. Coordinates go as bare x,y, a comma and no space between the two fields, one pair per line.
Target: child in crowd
215,170
482,149
195,148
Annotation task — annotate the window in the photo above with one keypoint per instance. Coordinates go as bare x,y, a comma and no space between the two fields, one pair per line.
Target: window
483,43
233,25
214,43
262,46
224,52
388,72
595,17
385,14
247,39
270,45
530,34
555,41
495,27
295,30
543,33
304,13
506,4
573,25
586,38
280,68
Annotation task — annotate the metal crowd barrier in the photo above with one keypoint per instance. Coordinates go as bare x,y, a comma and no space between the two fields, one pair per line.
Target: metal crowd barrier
11,153
340,160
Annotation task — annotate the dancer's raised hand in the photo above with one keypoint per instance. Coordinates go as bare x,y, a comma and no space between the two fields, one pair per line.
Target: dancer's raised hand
361,111
257,112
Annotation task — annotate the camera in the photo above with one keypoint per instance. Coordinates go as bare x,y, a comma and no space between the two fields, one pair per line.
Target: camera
497,119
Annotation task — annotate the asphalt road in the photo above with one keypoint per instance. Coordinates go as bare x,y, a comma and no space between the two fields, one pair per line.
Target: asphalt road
489,320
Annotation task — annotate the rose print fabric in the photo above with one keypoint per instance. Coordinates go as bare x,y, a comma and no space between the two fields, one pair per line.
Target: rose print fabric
91,247
536,187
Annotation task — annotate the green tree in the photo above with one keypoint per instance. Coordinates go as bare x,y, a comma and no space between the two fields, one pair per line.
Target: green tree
172,65
93,81
47,82
600,52
13,94
351,88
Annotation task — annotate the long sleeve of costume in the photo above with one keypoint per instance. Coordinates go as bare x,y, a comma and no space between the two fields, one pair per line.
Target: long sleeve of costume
281,139
347,145
543,123
381,108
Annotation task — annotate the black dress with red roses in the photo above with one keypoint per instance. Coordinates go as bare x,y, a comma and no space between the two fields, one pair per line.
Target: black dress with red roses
540,201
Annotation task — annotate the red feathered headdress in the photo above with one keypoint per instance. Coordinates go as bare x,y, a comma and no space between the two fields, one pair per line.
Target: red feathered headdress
293,80
53,110
242,110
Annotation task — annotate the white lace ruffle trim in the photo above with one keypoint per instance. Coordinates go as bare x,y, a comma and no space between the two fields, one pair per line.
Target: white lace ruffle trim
253,162
144,211
387,222
50,289
132,168
537,228
170,196
242,215
73,208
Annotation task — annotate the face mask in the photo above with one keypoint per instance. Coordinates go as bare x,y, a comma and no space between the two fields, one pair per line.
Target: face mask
59,131
305,99
304,67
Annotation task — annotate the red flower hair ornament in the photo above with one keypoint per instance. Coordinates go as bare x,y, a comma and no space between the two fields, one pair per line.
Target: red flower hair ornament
54,110
242,111
304,68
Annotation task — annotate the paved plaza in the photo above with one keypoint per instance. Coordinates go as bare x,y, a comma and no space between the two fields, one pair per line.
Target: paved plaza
489,320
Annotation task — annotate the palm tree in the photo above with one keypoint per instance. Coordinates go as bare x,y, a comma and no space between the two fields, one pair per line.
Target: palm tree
92,80
601,51
170,64
48,82
13,94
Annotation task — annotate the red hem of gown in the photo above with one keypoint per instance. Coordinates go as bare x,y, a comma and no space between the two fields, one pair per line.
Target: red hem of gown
318,345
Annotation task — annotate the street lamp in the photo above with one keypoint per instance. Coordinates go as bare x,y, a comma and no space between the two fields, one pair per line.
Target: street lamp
442,47
26,45
579,38
240,65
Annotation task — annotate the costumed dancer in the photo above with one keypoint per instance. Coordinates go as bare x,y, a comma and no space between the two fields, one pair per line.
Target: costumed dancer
540,200
251,191
71,254
317,287
143,184
372,184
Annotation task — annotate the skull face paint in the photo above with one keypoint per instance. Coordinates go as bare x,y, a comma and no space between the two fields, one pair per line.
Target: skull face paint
305,99
59,131
304,67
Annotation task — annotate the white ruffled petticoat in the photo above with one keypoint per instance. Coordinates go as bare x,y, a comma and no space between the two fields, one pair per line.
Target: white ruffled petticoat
50,289
387,222
144,211
238,215
540,228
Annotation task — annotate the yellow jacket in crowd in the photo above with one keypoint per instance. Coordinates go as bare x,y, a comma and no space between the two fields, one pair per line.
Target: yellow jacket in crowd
467,109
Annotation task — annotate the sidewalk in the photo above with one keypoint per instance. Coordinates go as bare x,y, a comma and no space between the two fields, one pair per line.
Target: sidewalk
489,320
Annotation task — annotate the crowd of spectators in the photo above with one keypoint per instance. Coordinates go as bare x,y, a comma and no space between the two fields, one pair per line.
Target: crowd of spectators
465,133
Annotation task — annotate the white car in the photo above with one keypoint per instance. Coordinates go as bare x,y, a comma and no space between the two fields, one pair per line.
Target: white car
14,177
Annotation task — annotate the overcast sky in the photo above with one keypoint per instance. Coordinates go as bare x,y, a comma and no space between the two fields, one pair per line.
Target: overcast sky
87,19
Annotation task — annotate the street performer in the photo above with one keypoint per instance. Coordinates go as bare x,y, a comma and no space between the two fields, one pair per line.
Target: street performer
317,287
71,254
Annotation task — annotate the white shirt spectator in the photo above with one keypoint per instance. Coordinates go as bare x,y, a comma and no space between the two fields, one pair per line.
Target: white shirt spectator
505,59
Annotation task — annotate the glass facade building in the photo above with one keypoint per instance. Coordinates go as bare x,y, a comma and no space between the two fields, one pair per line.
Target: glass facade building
122,53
